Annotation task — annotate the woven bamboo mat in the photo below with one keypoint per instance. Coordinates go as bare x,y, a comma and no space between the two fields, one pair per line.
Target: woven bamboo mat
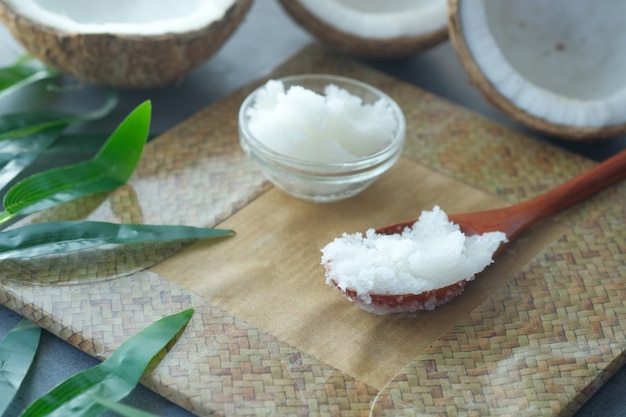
539,342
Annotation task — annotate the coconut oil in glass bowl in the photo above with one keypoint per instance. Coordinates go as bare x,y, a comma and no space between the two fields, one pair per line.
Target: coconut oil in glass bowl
321,138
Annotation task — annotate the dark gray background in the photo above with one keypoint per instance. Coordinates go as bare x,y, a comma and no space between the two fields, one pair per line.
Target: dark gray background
266,37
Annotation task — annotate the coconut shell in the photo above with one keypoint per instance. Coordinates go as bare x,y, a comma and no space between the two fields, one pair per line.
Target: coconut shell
358,46
123,61
496,99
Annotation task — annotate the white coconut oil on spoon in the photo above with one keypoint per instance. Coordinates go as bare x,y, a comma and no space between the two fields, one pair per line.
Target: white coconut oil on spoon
377,280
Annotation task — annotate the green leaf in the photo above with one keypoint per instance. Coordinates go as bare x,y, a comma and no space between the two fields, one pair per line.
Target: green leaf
22,152
12,164
56,237
25,136
27,123
29,144
23,72
110,168
112,379
121,409
17,351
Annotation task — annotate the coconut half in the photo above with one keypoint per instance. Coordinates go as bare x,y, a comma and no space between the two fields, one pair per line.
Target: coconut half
373,28
120,43
558,67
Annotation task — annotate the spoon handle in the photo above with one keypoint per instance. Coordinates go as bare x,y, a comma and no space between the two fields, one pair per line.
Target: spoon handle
513,220
569,193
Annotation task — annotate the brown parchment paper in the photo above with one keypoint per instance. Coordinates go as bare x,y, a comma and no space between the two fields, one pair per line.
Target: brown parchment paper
270,274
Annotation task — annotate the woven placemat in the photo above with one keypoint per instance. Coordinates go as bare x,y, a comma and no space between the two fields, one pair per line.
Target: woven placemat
541,343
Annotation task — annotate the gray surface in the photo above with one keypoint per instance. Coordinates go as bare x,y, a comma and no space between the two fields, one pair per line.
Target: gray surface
265,39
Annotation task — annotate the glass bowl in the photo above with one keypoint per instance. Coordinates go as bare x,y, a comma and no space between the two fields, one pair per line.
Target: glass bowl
323,182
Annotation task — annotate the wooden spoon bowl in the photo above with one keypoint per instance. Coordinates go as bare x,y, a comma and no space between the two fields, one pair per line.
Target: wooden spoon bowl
512,220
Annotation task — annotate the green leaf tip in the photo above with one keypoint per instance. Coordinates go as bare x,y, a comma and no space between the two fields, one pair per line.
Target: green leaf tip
114,378
121,152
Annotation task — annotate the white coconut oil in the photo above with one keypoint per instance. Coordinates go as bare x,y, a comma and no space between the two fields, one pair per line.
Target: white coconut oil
336,126
432,254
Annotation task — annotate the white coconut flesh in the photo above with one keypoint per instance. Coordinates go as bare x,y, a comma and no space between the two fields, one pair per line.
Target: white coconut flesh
563,61
376,19
124,17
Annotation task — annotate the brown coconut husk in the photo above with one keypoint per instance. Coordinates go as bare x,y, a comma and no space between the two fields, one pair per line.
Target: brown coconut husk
123,61
356,46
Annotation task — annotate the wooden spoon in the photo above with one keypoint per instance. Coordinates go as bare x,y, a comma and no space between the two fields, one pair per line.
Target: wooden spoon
512,220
